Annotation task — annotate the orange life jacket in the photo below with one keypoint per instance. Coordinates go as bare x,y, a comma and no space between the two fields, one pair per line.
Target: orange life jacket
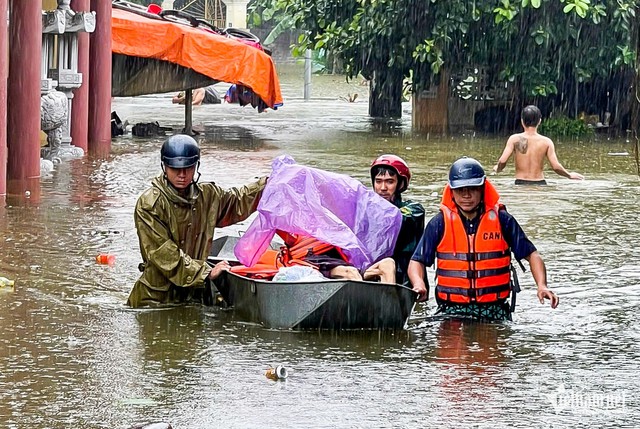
294,252
473,268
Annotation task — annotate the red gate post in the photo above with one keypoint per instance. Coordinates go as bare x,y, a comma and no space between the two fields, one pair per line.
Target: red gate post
100,80
80,111
4,64
23,89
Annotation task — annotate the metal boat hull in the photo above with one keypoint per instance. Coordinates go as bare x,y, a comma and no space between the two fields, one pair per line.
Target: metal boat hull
329,304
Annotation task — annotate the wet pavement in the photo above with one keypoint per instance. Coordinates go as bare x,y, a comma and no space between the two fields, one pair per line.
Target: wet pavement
72,355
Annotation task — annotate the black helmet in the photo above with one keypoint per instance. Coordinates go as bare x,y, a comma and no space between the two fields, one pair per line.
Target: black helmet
180,151
466,172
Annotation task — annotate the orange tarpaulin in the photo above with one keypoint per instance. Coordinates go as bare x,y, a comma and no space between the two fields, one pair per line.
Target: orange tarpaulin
220,58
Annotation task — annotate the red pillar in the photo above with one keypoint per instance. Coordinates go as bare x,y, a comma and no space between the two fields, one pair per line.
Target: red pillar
23,89
4,70
80,111
100,79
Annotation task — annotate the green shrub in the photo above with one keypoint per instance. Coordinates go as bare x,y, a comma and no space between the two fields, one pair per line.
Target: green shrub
565,127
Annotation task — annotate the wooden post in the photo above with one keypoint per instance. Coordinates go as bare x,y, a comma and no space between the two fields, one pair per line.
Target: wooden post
100,80
4,71
430,108
23,119
188,112
80,111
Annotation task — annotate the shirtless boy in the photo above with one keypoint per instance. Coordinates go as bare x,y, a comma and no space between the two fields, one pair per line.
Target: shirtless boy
530,150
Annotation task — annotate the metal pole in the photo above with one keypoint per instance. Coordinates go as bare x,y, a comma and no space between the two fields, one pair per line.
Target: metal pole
307,74
188,111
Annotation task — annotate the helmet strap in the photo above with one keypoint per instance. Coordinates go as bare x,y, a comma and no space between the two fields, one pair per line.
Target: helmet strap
402,185
196,176
477,209
464,212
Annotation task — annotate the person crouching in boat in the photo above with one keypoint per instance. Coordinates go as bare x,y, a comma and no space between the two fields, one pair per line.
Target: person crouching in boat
331,261
175,220
390,177
472,238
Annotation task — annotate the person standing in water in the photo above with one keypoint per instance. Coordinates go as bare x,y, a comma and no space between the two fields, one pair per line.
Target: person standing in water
175,220
471,241
531,149
390,177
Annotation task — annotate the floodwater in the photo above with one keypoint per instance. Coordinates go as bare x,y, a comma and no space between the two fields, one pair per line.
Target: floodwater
73,356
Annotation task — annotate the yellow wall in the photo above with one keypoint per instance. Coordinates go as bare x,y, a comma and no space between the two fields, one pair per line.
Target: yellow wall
49,4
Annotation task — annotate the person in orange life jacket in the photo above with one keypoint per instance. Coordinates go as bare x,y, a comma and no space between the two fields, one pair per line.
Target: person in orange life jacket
333,263
472,238
390,177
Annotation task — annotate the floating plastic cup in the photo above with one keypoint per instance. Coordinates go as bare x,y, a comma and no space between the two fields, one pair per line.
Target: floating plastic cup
106,259
277,373
154,9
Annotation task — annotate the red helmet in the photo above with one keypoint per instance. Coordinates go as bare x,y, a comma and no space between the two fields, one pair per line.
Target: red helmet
398,164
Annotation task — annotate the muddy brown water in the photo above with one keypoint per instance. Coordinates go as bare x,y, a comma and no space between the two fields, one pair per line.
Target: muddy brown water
72,355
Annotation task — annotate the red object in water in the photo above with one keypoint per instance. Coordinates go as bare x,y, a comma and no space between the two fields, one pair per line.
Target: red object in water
154,8
106,259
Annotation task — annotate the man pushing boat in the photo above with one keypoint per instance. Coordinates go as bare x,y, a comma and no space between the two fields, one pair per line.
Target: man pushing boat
175,220
471,241
390,177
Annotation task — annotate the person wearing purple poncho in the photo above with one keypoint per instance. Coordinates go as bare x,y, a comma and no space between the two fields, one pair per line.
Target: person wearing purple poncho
333,208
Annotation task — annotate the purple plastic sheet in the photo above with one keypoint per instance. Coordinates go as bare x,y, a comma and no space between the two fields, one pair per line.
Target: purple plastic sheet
331,207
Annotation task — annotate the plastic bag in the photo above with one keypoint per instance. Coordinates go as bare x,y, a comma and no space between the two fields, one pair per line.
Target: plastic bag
333,208
298,273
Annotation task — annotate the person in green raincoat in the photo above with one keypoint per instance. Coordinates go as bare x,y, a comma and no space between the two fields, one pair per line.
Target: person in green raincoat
175,220
390,176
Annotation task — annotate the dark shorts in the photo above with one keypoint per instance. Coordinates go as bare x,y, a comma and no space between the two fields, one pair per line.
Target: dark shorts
211,96
531,182
490,312
326,263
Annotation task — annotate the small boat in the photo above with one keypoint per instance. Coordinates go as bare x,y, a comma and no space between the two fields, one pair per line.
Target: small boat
326,304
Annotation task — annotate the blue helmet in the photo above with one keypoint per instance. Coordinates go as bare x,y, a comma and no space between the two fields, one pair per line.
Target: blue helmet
466,172
180,151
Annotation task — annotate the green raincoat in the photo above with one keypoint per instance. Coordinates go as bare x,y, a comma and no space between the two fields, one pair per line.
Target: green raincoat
176,233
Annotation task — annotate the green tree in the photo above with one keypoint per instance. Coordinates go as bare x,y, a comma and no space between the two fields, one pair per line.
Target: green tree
544,50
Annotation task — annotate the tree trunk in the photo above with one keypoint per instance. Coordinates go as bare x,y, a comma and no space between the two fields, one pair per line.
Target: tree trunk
385,94
430,113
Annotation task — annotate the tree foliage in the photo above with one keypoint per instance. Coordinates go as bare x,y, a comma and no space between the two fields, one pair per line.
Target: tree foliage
539,48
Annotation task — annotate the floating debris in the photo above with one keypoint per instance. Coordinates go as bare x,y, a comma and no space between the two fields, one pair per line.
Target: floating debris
618,154
277,373
106,259
6,283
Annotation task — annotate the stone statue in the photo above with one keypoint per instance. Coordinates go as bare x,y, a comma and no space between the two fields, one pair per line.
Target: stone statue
53,118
